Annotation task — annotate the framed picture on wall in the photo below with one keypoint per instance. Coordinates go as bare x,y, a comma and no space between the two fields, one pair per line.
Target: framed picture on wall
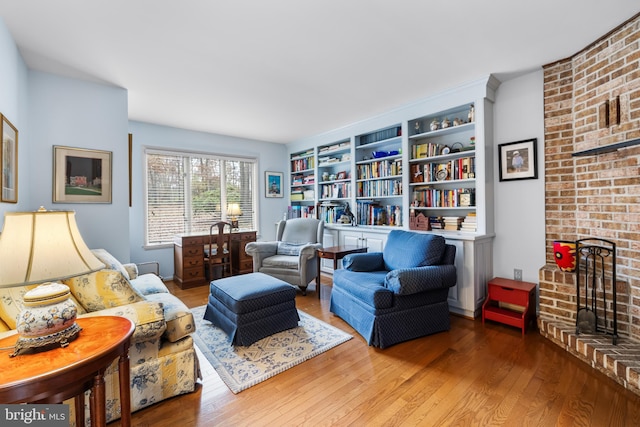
9,161
81,175
518,160
273,183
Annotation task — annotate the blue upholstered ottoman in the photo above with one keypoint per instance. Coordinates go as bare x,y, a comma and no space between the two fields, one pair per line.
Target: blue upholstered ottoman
251,306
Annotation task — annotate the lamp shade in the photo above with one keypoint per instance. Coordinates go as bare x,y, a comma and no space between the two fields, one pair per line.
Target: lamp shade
233,209
42,246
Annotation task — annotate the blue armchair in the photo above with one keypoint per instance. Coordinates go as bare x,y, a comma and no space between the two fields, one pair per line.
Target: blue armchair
398,294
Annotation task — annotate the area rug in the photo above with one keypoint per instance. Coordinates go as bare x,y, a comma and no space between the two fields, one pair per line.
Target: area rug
243,367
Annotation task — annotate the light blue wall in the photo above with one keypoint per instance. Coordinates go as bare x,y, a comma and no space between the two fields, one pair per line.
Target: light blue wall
271,157
81,114
520,205
13,105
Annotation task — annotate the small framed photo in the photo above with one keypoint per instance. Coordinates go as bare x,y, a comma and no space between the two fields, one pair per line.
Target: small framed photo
518,160
81,175
342,175
273,183
9,161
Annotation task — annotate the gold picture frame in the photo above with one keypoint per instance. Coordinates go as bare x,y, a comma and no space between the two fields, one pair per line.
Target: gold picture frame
9,161
81,175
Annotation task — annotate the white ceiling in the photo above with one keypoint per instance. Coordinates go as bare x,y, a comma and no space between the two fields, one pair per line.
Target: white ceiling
280,70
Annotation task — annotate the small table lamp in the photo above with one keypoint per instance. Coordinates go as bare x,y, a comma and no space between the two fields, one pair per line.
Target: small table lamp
40,247
233,210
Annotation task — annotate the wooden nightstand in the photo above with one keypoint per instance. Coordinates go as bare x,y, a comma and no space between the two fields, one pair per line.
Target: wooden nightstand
514,295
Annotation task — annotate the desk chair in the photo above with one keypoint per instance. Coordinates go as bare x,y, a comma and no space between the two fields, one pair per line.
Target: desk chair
217,253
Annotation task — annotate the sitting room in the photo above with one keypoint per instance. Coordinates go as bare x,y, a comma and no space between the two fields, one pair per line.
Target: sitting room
398,213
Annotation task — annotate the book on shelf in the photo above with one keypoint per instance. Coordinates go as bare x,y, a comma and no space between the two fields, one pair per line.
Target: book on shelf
452,223
470,223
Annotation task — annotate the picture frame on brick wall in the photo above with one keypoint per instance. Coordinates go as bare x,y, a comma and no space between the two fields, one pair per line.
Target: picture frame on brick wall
518,160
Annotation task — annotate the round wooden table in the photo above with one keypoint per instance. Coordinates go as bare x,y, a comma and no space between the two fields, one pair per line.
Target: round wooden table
59,374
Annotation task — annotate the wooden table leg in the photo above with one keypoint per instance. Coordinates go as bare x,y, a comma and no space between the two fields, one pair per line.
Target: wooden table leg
98,401
79,403
125,390
318,276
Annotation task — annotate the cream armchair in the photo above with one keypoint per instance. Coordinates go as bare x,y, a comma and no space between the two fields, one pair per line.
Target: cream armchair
292,257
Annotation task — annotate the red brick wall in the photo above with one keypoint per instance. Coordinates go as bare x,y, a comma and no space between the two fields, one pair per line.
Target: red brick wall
594,196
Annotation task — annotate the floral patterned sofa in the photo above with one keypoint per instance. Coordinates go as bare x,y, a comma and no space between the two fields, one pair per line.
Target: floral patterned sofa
162,355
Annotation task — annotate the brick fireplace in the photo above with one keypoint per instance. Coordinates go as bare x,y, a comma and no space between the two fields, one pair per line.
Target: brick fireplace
592,100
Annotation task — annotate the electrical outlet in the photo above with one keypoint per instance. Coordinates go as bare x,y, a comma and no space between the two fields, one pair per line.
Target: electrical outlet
517,274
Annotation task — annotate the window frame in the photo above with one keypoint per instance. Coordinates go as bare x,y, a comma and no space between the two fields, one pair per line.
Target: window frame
188,154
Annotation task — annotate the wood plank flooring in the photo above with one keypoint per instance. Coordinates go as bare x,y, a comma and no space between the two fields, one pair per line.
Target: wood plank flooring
473,375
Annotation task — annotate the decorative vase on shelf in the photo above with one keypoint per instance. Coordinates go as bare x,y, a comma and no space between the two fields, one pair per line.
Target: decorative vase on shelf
564,254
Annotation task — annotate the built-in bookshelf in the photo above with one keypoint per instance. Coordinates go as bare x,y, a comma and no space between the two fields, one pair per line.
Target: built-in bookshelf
427,166
302,193
442,169
379,188
334,171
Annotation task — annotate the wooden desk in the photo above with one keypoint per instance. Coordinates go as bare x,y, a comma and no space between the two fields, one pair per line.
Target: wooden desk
520,299
188,256
335,253
59,374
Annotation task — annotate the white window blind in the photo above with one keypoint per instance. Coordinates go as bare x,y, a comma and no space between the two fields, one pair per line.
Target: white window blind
187,192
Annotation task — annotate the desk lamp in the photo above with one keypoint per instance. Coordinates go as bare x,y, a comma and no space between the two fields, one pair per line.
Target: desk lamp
41,247
233,210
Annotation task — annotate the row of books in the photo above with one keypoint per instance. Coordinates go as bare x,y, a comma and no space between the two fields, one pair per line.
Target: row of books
327,160
301,212
380,135
462,168
303,164
299,195
330,213
379,169
372,213
454,223
300,179
335,191
382,188
334,147
431,149
443,198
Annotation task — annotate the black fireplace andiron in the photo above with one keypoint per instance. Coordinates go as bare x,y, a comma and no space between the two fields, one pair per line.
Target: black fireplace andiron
594,258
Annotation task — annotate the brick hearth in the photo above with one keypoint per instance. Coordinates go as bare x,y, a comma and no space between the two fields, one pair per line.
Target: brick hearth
591,100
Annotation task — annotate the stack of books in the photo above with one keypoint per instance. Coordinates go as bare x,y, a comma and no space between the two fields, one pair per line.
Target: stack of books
436,223
470,223
452,223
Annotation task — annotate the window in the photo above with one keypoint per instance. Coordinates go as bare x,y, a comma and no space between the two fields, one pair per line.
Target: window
187,192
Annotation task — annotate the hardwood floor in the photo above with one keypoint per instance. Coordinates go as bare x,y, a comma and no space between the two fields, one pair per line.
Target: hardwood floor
473,375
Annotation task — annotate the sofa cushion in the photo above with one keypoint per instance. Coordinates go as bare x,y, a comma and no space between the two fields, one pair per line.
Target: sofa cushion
406,249
178,317
110,262
147,316
281,261
11,304
148,284
103,289
367,287
4,327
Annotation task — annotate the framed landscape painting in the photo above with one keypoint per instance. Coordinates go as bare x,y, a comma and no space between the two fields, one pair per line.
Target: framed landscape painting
273,183
9,160
81,175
